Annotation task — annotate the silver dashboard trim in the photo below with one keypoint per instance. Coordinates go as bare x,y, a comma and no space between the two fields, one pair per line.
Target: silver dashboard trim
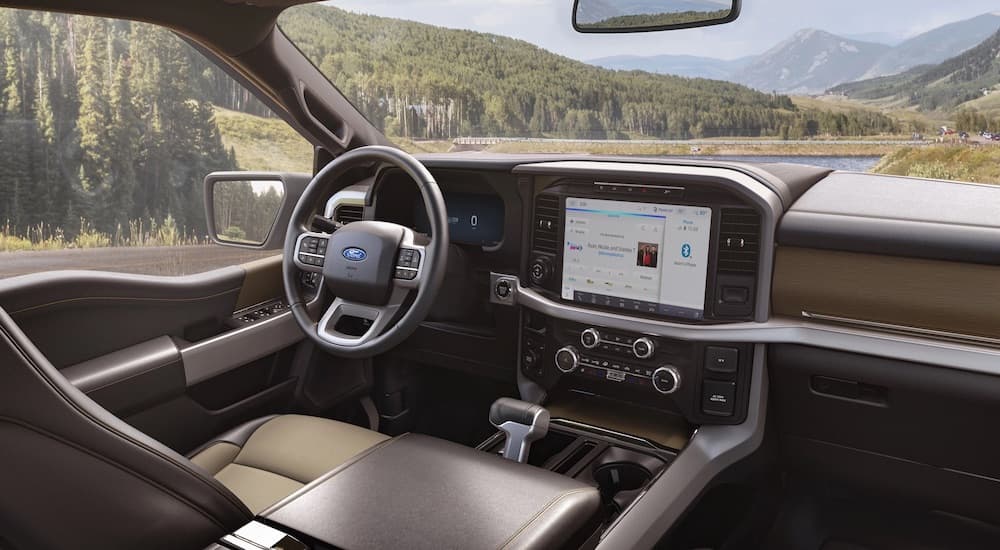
710,450
905,329
782,330
353,195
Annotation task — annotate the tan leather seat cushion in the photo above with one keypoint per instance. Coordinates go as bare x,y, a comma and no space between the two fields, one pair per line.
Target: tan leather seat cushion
282,455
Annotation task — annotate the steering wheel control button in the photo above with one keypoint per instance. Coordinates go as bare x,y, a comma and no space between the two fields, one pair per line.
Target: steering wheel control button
408,257
717,398
567,359
666,380
314,245
310,259
643,348
405,274
590,338
721,360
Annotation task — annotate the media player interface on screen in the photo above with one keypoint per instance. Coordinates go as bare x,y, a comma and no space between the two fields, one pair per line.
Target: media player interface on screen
651,258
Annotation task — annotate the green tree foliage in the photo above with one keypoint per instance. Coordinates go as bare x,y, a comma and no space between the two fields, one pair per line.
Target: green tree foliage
943,86
657,19
417,80
108,121
243,213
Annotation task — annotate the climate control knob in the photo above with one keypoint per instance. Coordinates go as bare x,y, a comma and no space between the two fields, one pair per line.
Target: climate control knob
643,348
567,359
590,338
666,380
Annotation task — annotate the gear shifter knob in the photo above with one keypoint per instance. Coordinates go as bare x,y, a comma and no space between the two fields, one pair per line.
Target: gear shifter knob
522,422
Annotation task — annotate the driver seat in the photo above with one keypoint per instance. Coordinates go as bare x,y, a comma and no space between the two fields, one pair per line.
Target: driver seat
267,459
75,476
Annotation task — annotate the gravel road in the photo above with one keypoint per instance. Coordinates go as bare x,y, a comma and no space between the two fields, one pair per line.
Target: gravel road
154,260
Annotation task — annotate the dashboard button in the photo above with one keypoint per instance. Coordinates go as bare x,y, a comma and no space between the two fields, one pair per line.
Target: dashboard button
590,338
666,380
503,289
735,295
717,397
567,359
540,270
721,360
643,348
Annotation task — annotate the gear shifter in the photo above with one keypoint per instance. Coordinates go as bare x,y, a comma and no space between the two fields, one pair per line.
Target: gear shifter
522,422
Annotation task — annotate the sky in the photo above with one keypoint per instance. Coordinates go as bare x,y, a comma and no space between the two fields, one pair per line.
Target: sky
763,23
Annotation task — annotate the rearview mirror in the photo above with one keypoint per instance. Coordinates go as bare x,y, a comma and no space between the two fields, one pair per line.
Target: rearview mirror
610,16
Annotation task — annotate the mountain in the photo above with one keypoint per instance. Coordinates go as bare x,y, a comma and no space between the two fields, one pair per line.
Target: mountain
810,62
887,38
418,80
943,86
936,45
690,66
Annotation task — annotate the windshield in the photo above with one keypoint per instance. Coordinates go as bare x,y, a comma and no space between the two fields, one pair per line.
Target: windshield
905,87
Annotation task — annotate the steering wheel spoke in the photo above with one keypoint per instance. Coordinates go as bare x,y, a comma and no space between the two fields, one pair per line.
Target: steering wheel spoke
310,251
350,324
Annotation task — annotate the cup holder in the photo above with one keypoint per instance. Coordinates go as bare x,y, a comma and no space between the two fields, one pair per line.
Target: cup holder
621,475
620,483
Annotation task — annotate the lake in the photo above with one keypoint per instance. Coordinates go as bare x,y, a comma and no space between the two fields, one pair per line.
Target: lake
853,164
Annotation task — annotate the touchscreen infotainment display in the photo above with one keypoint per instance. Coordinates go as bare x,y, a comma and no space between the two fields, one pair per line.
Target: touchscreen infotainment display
649,258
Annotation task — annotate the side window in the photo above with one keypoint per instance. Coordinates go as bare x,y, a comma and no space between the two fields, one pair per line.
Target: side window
107,130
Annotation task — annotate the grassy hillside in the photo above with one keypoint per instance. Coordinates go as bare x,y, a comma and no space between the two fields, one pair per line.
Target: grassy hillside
420,81
936,87
949,162
266,144
910,119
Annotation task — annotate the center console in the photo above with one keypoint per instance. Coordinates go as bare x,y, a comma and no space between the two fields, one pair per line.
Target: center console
707,383
420,492
683,253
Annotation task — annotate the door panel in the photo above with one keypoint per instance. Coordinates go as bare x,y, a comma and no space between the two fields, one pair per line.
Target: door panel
174,356
76,316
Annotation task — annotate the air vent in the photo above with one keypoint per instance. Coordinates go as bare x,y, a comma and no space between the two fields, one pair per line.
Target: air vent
546,224
347,213
739,240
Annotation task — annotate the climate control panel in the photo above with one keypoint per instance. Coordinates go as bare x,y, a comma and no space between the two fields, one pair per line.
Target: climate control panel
706,382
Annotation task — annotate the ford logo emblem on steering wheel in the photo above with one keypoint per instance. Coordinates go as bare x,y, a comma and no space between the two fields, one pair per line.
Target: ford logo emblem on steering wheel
354,254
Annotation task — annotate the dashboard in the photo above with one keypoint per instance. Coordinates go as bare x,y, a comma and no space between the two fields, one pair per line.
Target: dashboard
660,244
846,308
646,281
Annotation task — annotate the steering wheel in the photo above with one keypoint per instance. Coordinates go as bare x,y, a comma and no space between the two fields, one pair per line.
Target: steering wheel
371,268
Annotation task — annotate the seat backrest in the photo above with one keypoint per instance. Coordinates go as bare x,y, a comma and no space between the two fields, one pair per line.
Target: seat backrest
72,475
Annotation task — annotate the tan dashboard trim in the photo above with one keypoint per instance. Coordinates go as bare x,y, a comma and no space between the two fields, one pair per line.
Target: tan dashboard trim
929,295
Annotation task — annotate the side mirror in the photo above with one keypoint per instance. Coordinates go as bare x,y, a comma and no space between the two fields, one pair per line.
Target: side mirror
621,16
251,209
